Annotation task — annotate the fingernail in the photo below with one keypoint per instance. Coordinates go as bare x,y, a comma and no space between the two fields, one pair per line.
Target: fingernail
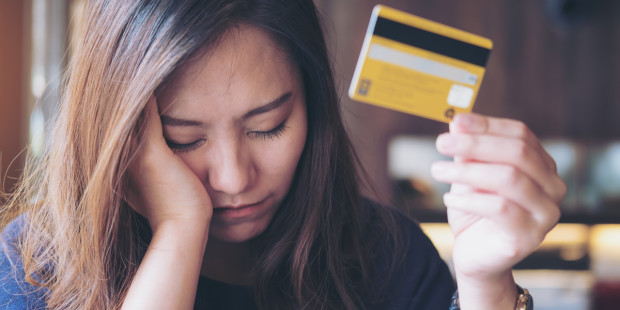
449,199
470,122
466,119
447,142
441,170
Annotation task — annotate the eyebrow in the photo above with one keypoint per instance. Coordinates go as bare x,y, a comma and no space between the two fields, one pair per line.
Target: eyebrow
172,121
269,106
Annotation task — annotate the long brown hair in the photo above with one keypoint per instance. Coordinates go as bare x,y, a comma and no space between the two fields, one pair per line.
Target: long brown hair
85,244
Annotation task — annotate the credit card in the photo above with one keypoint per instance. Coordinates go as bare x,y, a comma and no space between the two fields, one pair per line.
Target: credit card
418,66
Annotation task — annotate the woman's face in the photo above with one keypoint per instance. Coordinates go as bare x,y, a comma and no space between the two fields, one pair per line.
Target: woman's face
237,117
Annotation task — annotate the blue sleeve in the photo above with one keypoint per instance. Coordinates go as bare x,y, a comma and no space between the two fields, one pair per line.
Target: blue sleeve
15,292
420,279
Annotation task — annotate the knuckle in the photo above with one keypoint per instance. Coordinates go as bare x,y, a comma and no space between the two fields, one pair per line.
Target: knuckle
531,240
540,237
552,164
521,130
520,151
536,238
503,206
515,250
563,189
510,176
554,216
547,218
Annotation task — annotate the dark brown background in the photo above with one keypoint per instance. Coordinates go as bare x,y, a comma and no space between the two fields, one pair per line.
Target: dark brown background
555,65
13,103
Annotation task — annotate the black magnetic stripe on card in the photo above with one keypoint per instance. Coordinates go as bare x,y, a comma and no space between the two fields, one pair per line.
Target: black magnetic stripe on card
431,41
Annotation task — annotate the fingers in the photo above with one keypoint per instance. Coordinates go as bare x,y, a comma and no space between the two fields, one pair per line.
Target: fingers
502,180
154,149
505,150
153,121
502,213
493,207
147,154
476,124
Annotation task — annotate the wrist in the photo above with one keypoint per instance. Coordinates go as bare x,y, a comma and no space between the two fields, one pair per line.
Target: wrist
177,234
195,224
496,292
524,300
168,274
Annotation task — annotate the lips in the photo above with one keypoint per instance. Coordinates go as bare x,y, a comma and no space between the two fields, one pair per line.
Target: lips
239,211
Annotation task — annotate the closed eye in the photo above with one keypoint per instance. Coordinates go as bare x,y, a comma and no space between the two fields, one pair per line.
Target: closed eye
271,134
184,147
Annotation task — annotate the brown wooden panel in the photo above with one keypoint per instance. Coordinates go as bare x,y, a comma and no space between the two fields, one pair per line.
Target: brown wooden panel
12,101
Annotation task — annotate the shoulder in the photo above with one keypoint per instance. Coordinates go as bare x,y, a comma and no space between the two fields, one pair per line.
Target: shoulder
15,292
409,272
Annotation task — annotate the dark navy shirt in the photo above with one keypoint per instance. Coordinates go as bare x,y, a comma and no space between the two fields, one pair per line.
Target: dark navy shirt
421,282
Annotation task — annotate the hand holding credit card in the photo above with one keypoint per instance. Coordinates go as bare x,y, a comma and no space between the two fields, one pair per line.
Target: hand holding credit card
417,66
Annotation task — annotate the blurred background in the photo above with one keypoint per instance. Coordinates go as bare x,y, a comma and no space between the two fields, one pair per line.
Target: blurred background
555,66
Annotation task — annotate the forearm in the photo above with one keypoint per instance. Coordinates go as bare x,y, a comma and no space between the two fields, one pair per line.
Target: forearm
168,275
499,293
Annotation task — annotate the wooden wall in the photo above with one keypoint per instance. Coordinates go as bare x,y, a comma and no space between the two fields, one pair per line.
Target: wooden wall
555,65
13,57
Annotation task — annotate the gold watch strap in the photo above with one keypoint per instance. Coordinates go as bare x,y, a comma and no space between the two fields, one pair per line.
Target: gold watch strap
524,300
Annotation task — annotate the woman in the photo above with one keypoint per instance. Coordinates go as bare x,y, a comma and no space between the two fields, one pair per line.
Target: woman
199,160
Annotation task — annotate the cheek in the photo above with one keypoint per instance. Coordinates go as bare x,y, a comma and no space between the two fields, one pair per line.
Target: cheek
278,160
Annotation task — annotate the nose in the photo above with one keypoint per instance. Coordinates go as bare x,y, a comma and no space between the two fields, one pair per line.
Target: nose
230,170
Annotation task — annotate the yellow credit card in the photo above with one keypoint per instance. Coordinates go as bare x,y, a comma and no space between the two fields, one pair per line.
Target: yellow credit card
417,66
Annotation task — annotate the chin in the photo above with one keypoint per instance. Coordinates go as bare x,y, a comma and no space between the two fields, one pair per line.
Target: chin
243,233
